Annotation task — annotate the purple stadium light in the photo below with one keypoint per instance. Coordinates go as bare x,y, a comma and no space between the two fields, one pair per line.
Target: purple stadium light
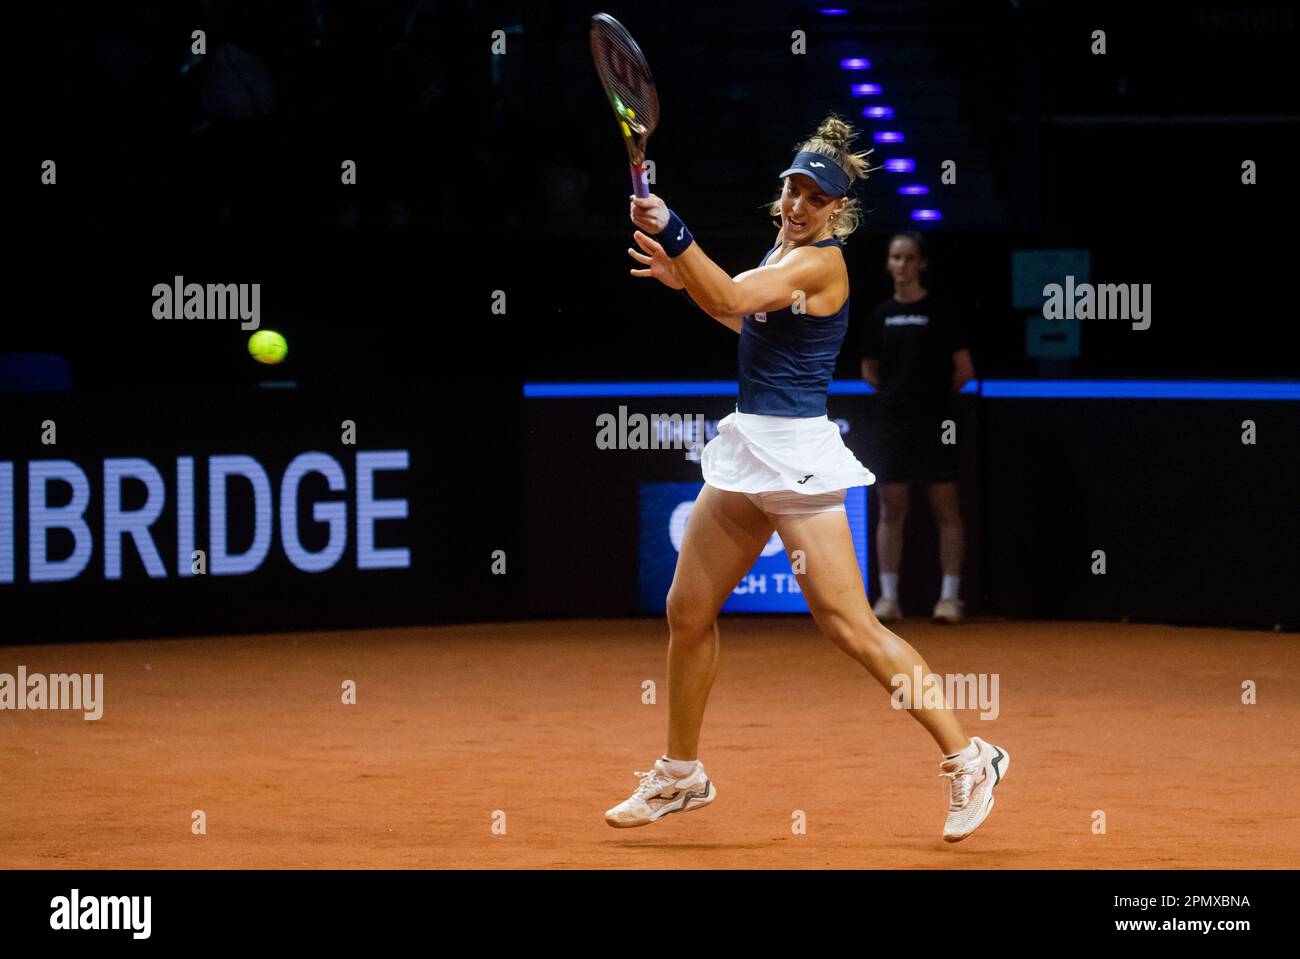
900,166
887,136
855,63
914,189
833,12
878,113
865,89
926,215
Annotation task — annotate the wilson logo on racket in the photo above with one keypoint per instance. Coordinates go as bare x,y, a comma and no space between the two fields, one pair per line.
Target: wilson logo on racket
625,75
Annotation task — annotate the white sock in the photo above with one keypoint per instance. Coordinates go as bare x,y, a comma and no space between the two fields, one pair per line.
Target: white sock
889,586
951,586
970,752
680,768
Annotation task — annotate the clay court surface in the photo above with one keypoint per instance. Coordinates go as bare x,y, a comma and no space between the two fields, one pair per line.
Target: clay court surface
544,721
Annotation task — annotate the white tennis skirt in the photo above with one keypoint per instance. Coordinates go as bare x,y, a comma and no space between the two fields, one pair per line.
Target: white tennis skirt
753,453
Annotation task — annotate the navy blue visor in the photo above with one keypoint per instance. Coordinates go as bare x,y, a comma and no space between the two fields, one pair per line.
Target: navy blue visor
823,170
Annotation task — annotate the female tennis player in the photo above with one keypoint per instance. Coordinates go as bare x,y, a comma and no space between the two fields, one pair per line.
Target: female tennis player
779,463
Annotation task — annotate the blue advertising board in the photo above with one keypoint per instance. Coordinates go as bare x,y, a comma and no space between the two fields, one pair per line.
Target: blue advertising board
769,586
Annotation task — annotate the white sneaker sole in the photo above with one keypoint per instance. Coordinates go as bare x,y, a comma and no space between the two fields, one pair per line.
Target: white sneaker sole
1003,766
687,803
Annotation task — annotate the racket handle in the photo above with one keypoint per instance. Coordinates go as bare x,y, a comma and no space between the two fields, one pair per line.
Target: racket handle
639,186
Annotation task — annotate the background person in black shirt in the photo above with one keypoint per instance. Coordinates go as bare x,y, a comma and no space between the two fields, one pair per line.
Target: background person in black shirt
916,356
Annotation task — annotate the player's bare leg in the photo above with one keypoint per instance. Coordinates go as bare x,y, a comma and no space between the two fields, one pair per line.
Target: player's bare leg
832,584
725,535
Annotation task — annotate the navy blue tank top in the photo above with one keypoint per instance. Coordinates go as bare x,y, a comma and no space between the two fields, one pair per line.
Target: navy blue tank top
786,359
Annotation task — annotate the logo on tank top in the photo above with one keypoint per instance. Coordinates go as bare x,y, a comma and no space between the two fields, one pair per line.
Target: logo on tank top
760,317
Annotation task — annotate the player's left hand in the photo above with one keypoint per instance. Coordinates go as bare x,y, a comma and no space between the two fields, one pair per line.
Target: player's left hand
659,263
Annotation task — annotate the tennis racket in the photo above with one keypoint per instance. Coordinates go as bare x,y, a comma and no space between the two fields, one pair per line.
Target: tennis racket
631,90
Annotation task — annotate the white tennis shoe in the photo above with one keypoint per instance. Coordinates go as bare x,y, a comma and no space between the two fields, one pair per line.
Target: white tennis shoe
972,782
948,610
887,610
660,794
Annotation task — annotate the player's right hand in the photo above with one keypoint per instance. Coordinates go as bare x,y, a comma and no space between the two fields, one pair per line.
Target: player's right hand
650,213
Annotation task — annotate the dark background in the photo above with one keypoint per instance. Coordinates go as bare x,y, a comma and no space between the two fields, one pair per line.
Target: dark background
480,173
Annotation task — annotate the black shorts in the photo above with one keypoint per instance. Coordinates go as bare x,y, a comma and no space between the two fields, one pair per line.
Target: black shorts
906,446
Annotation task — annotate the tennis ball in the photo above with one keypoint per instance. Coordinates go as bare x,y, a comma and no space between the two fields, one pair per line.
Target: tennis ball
267,346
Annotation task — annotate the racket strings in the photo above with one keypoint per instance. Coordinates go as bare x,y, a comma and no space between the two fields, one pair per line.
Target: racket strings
625,76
